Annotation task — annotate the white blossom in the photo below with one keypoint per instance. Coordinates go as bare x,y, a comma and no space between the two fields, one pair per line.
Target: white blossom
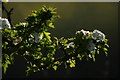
24,24
89,56
41,36
16,41
4,23
37,37
91,46
85,33
98,35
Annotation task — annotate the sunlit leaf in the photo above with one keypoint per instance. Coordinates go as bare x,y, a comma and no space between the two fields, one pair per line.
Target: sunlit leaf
72,65
47,35
55,67
105,49
5,65
28,70
51,25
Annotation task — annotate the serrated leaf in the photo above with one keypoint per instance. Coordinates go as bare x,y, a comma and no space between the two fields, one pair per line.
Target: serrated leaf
47,35
5,65
41,63
34,65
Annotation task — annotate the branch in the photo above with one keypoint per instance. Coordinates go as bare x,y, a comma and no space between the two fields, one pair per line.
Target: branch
8,13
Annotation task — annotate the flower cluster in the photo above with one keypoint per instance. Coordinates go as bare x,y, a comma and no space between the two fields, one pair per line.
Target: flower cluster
98,36
4,23
91,41
33,41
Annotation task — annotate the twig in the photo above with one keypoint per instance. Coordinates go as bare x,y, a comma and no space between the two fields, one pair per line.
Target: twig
8,13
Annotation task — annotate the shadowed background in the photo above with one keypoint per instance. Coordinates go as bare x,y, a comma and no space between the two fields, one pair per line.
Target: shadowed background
74,16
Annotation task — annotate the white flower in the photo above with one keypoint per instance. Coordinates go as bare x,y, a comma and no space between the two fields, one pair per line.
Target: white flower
24,24
91,46
37,37
41,36
15,42
98,35
4,23
85,33
89,56
71,44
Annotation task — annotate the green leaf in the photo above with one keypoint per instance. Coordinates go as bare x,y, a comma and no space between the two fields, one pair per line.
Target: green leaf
5,65
98,52
106,53
51,25
34,14
12,57
93,56
55,67
80,58
105,49
107,45
72,63
65,65
47,35
52,58
57,62
44,58
28,70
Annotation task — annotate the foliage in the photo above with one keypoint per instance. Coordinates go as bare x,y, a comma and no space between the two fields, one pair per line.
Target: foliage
33,41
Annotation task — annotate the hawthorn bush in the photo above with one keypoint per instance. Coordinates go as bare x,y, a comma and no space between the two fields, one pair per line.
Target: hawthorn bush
33,41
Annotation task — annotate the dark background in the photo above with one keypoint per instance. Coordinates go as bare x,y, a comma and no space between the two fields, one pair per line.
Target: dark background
74,16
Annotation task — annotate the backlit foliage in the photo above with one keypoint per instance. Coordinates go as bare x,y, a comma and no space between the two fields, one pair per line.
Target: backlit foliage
33,41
